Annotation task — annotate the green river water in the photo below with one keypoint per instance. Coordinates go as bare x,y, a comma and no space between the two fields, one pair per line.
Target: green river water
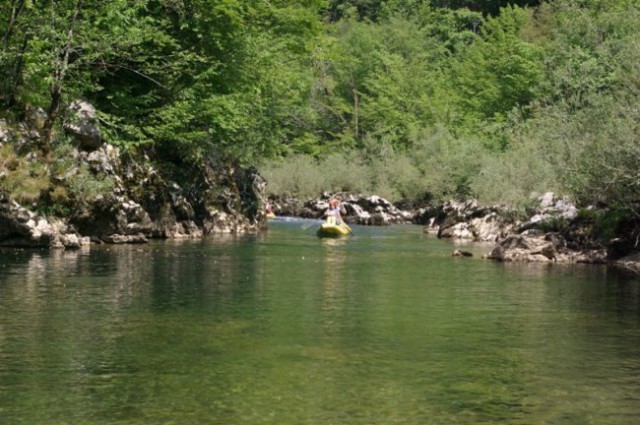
384,327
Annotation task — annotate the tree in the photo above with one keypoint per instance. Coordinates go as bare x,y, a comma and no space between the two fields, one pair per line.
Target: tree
67,45
244,58
587,119
499,72
13,48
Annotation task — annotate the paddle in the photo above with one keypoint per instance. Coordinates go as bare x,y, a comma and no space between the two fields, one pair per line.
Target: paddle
306,226
348,228
342,223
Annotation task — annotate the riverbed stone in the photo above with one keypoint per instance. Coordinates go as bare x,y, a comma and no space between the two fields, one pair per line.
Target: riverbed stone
630,262
467,220
116,238
20,227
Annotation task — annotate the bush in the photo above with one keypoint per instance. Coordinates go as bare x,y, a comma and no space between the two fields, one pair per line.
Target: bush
510,178
23,180
436,166
608,224
303,176
447,164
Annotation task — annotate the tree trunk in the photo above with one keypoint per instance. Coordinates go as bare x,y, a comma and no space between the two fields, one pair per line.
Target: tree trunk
15,80
12,70
18,6
52,115
355,107
58,84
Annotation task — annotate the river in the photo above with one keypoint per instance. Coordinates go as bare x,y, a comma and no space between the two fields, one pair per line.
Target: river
384,327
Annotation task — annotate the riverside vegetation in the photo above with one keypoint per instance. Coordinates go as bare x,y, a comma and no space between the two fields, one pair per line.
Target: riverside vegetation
416,101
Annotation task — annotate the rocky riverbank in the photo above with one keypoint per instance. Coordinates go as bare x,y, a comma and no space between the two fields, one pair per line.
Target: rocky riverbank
92,192
95,193
552,230
142,204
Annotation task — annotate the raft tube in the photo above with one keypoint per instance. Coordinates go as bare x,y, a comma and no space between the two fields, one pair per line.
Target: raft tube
333,230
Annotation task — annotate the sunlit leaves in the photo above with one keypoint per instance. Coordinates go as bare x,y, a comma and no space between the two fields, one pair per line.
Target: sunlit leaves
500,71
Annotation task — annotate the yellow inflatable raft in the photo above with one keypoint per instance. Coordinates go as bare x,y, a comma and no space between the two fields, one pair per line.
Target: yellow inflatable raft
332,229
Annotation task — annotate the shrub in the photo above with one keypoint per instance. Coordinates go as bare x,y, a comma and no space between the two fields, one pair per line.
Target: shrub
23,180
511,178
447,164
76,184
608,223
436,166
303,176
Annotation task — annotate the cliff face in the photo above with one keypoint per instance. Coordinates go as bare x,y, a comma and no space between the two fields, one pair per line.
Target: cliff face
94,191
147,202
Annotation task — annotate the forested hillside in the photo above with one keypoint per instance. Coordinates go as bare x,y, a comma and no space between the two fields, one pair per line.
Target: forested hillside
410,99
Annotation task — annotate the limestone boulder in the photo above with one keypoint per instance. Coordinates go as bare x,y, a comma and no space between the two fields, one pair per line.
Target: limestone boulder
20,227
82,124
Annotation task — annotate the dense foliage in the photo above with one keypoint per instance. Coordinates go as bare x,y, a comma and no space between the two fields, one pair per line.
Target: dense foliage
409,99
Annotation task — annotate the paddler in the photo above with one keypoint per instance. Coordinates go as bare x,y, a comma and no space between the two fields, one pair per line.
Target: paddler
333,213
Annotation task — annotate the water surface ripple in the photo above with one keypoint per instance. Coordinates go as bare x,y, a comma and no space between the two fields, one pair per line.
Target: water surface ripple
384,327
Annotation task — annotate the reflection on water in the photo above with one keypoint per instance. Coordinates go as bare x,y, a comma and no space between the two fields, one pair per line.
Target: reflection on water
283,327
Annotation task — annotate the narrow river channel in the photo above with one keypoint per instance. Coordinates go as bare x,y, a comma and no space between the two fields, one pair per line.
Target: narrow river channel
383,327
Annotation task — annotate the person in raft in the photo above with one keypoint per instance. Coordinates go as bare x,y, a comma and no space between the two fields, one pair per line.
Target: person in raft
269,211
333,213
